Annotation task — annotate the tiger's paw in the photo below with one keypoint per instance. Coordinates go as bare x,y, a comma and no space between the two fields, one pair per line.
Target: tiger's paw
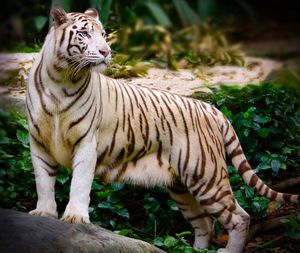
44,213
75,219
76,214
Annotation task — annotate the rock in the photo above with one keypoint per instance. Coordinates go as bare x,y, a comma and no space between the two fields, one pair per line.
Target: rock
185,81
12,64
15,68
22,233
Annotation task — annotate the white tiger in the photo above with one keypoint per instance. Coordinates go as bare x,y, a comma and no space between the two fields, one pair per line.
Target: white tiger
99,126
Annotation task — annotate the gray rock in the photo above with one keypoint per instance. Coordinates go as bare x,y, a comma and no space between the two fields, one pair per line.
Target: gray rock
22,233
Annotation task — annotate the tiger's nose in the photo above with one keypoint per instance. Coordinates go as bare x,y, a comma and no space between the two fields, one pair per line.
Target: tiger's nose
104,52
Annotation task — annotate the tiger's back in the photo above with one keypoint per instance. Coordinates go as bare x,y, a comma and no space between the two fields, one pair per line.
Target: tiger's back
120,132
167,127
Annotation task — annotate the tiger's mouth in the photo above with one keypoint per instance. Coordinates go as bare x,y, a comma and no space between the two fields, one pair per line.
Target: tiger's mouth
100,61
99,66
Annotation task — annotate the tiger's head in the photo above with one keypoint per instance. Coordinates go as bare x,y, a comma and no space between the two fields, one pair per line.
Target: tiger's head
80,39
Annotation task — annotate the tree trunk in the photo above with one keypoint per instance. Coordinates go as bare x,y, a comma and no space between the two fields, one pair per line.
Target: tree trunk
21,232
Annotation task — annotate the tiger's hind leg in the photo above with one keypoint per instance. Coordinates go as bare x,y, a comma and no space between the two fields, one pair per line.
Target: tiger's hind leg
201,222
236,222
224,208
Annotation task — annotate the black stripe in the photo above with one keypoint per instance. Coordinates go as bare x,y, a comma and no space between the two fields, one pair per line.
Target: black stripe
232,139
191,114
51,76
237,151
62,37
129,98
80,138
38,88
53,167
71,33
153,104
38,142
114,138
170,111
102,155
170,133
83,86
243,167
31,119
124,108
212,180
187,141
135,97
78,96
75,122
141,93
179,163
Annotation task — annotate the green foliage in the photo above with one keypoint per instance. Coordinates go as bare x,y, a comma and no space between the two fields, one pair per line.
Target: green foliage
205,44
292,226
16,180
178,244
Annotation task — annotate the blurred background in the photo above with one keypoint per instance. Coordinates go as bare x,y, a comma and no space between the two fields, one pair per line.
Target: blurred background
199,31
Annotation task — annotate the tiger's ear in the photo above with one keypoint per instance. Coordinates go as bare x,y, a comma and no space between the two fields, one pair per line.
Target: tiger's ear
92,12
58,15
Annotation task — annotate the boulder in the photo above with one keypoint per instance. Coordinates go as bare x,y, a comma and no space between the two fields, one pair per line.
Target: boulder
22,233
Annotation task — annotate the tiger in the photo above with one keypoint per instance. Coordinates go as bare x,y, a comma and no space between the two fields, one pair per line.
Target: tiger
120,132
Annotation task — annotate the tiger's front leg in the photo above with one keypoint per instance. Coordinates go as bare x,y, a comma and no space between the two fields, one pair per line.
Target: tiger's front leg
84,163
45,169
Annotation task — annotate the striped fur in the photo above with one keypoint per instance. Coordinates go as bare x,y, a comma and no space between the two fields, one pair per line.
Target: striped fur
120,132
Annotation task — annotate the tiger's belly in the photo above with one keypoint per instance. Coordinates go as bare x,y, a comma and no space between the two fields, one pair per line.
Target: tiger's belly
61,153
146,172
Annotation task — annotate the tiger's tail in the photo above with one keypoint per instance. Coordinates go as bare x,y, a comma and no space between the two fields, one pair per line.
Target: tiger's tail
239,160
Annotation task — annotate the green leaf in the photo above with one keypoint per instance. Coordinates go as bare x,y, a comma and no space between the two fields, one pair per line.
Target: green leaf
105,205
23,137
275,165
158,241
112,223
249,192
206,8
186,13
103,194
261,119
172,205
158,13
117,186
170,241
226,111
287,150
96,186
123,213
124,232
40,21
105,10
263,132
63,178
263,166
184,233
246,132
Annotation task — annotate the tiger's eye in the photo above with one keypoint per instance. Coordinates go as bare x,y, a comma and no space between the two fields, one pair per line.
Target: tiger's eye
84,33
